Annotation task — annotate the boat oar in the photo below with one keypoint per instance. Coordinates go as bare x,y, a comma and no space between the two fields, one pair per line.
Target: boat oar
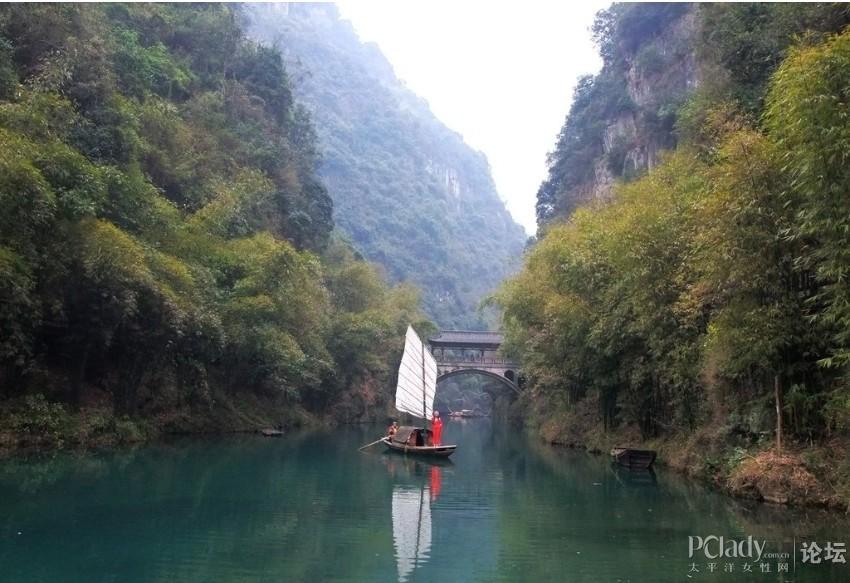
371,444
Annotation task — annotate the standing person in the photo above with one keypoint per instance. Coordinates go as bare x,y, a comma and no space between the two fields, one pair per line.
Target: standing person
437,428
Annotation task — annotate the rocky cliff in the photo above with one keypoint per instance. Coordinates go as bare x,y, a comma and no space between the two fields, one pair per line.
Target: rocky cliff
622,119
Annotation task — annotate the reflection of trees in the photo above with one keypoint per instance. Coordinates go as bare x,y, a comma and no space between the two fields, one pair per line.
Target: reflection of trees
198,512
299,509
27,475
466,392
568,515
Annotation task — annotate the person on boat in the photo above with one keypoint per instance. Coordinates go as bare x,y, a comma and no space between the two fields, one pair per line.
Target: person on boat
392,429
437,428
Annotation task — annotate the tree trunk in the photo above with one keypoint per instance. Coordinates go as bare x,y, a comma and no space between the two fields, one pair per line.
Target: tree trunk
80,375
777,395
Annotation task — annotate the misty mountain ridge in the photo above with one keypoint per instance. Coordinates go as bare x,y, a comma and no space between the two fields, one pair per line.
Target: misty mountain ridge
408,191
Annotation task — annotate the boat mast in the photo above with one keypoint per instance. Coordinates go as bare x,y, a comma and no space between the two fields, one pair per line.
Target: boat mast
424,390
419,524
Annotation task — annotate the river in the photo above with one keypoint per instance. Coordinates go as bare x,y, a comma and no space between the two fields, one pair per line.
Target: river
309,507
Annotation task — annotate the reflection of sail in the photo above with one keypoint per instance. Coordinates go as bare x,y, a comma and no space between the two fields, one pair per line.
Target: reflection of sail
411,528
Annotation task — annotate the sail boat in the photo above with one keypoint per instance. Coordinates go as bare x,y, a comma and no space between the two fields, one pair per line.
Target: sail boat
417,385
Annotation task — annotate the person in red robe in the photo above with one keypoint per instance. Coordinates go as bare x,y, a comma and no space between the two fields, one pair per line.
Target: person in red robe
437,428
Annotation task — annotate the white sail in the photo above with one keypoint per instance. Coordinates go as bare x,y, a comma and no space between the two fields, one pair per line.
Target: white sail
417,378
411,528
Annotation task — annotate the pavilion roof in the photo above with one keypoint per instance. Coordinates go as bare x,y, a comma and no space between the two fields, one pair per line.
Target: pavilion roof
467,337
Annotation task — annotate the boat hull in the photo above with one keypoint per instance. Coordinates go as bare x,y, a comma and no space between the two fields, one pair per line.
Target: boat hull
465,414
440,451
636,459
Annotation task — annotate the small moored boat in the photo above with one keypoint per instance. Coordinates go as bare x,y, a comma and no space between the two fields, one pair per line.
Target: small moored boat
641,459
465,414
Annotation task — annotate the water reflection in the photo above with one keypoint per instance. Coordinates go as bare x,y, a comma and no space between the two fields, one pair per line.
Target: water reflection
419,487
436,482
411,528
309,507
634,478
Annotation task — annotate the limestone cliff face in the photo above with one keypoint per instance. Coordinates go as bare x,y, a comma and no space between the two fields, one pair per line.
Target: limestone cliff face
623,118
659,77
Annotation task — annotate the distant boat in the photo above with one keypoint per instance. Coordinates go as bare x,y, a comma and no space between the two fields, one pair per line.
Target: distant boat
639,459
465,414
417,385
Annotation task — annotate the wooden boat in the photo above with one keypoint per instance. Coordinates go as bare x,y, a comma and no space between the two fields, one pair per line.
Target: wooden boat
417,385
465,414
414,440
641,459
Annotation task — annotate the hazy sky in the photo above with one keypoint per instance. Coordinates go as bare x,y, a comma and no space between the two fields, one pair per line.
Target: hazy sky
500,73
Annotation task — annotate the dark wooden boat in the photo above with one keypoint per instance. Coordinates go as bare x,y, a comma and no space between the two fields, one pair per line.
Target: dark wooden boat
638,459
414,441
464,414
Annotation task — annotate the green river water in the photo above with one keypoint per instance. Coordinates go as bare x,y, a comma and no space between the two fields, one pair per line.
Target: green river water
309,507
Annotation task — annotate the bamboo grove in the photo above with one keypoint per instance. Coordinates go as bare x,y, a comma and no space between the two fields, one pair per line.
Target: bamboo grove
713,291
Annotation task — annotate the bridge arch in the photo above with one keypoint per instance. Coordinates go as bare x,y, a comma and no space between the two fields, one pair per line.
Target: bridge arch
458,352
491,375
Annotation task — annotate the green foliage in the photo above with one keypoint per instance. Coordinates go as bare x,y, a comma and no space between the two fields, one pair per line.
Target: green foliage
682,299
127,431
21,312
162,226
724,270
749,40
807,116
622,30
367,318
8,78
143,70
35,416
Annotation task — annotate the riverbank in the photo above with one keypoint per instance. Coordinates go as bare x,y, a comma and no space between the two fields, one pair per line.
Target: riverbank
815,474
33,422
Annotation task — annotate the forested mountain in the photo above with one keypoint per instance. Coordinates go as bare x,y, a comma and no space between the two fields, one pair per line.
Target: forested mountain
408,191
690,285
166,247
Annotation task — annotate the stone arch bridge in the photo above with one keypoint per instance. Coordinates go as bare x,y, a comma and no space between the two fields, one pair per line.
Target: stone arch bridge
459,352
